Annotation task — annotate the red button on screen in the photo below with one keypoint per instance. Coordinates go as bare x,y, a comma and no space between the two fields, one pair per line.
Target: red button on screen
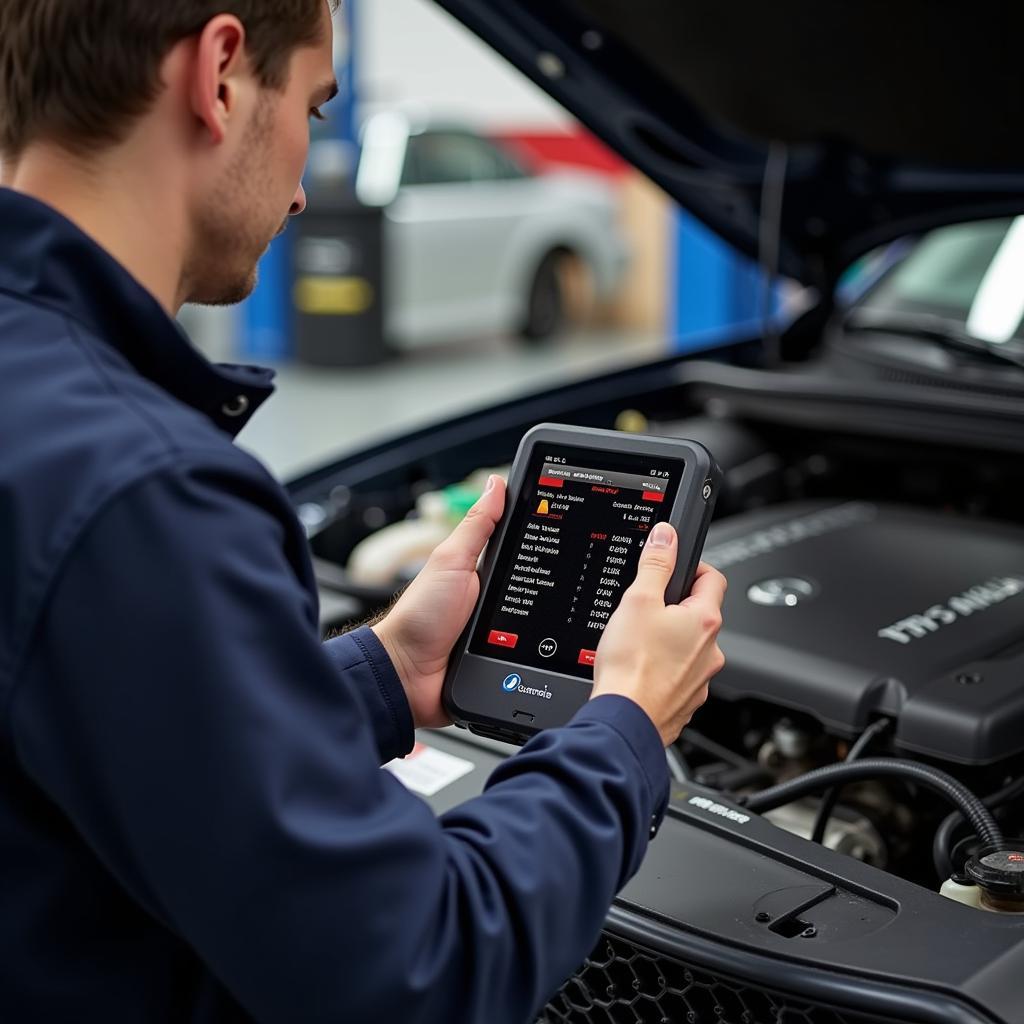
587,657
551,481
653,496
502,639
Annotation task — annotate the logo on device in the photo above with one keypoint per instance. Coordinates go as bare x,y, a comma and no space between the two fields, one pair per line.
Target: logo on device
511,682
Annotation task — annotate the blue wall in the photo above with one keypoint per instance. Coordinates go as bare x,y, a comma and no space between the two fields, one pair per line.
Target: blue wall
264,320
712,287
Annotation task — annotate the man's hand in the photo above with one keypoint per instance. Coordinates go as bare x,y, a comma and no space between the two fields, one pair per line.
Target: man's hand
420,631
662,656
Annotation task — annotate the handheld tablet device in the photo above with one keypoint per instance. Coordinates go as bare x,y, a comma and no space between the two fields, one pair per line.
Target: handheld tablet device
580,504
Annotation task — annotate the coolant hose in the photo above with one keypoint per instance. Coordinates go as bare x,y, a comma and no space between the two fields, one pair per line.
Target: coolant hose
973,809
830,798
942,846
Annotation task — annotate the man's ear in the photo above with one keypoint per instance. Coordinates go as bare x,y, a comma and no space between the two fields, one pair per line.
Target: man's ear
219,64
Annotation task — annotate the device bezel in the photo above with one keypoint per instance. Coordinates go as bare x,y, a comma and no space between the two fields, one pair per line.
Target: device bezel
473,694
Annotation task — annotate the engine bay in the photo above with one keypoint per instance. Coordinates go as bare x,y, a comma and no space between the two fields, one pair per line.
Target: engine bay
851,620
876,568
852,611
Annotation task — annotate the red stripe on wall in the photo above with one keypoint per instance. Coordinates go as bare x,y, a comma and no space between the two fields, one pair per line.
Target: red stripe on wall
551,150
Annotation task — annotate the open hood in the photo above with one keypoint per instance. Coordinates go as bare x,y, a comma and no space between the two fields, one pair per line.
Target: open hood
821,129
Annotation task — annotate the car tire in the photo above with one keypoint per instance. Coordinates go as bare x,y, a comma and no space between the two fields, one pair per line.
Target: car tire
545,301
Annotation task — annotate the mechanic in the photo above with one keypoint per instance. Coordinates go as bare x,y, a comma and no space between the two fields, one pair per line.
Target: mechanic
193,823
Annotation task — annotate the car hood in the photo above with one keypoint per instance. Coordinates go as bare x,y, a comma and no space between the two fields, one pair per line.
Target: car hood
817,130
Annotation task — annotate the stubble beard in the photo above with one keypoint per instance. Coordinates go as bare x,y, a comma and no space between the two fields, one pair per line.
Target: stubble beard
232,233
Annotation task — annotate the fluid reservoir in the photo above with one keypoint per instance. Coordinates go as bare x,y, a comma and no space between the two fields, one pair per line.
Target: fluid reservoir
395,553
968,895
998,871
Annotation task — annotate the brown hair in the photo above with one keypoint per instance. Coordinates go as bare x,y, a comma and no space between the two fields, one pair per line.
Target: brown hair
79,71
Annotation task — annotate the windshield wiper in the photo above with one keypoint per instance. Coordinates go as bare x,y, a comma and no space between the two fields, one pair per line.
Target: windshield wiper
935,327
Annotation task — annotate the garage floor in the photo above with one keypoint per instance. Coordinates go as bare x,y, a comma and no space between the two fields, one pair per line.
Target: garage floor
318,412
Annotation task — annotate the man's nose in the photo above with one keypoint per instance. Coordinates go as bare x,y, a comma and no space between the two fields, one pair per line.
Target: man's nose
298,203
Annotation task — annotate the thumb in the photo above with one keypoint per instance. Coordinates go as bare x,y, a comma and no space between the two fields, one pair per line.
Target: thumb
462,549
657,561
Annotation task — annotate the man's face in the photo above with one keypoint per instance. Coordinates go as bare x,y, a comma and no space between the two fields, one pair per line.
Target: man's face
259,185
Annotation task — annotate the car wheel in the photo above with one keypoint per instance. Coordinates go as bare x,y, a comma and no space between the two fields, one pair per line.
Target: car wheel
545,305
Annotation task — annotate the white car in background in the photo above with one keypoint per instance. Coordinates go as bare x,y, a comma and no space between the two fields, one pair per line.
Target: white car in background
475,244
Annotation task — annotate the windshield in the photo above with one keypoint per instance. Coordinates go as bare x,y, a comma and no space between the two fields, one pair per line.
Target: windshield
968,274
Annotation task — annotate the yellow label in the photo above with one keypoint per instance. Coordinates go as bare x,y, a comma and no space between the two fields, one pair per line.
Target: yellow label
333,296
543,508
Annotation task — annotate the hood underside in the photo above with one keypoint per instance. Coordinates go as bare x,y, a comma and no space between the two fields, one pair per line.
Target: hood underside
831,127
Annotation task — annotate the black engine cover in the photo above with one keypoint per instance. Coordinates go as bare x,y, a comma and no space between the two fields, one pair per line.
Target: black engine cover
850,611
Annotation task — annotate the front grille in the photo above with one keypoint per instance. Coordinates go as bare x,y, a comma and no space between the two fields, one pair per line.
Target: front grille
622,983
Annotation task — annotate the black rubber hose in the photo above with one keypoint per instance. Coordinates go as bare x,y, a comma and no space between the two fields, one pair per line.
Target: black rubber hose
942,845
831,797
973,809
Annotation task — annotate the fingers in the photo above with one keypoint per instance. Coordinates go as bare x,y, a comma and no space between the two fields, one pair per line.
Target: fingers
709,587
717,661
657,561
462,549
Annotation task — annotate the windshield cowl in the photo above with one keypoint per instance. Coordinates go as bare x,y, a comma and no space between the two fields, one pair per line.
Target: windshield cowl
934,327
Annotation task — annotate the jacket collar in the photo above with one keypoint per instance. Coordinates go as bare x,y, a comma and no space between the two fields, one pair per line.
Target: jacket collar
47,260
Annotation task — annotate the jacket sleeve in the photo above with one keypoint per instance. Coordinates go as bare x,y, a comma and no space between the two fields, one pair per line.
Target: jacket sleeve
360,659
179,707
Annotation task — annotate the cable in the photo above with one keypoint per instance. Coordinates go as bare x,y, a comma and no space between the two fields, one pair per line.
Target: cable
942,845
830,798
973,809
677,766
709,746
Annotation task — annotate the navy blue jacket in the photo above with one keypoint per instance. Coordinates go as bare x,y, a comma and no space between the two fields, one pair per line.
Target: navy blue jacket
194,826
